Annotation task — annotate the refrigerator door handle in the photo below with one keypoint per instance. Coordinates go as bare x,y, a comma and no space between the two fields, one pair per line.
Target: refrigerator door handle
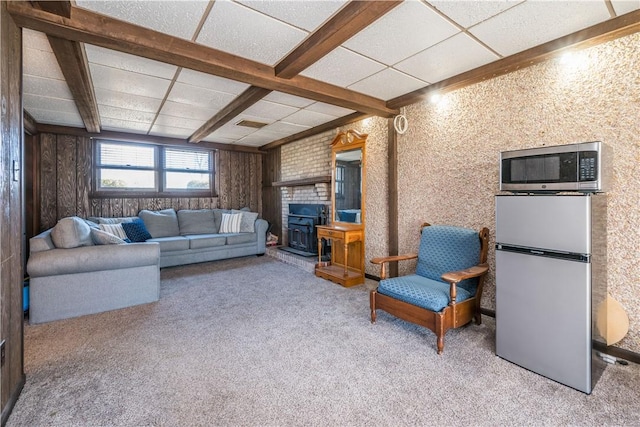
586,258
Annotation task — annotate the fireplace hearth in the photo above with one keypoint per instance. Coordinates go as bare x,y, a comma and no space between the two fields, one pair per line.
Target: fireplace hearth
301,228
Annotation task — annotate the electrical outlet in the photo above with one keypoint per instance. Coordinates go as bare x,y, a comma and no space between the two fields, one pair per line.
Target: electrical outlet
2,353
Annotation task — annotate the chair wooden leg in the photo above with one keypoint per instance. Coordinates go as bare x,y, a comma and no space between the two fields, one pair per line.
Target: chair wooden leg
440,333
372,304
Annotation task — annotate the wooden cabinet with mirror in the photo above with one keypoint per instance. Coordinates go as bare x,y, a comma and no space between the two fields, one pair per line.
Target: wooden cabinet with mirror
346,230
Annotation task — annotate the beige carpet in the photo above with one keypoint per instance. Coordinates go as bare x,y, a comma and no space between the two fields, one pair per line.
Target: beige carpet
256,342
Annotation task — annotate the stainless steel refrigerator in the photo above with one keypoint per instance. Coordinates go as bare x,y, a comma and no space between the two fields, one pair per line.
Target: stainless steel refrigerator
550,278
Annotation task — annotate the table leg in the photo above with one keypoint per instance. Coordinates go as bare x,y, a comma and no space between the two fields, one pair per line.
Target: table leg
346,258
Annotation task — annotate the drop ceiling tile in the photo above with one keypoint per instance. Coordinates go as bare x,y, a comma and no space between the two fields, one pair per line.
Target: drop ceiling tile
107,111
332,110
177,109
438,63
342,67
127,101
308,118
469,13
46,87
35,40
252,35
255,140
536,22
286,129
207,81
178,122
113,124
307,15
128,82
177,18
286,99
56,117
192,95
270,111
388,84
625,6
41,63
170,132
47,103
415,28
126,62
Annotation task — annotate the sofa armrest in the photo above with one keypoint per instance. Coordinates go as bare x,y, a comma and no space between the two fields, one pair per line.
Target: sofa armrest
92,258
261,226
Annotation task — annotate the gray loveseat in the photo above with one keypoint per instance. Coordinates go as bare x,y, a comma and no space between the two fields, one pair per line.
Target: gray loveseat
76,268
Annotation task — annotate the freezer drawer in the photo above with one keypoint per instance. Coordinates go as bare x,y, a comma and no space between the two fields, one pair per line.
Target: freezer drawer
543,316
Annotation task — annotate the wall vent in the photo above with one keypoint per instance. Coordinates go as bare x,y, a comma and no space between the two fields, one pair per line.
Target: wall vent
251,124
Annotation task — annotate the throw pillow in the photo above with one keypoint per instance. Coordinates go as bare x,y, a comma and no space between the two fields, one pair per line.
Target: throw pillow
136,231
196,221
115,229
71,232
162,223
103,238
247,224
230,223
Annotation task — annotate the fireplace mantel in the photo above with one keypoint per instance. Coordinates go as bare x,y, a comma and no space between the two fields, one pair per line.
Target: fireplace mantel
303,181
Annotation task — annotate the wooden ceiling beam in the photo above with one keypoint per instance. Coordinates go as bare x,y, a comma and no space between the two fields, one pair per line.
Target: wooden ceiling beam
245,100
75,67
141,138
342,121
350,20
600,33
100,30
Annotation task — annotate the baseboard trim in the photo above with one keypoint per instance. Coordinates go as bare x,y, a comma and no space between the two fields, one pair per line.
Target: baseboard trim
618,352
6,411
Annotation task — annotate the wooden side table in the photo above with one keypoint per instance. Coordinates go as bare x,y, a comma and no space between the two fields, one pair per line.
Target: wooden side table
347,254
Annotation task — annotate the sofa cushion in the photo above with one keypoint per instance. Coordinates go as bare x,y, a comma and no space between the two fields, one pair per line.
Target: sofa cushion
230,223
247,224
206,241
201,221
427,293
173,243
235,239
162,223
136,231
115,229
71,232
41,242
100,237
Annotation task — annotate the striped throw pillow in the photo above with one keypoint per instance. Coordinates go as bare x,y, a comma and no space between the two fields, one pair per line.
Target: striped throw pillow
230,223
114,229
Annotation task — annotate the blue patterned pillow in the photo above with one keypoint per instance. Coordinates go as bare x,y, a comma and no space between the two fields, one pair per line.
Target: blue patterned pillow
136,231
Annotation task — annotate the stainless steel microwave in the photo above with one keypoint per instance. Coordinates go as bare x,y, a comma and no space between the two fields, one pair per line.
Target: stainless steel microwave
582,167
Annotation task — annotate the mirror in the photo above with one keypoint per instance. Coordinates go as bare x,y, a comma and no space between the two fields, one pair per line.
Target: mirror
348,178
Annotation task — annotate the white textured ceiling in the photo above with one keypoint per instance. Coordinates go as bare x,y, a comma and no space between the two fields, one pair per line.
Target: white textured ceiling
414,45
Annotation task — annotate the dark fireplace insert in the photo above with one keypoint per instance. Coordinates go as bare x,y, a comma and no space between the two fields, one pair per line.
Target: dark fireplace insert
301,228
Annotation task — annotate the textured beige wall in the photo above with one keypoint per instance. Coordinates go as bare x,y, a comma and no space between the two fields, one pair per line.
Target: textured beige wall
448,159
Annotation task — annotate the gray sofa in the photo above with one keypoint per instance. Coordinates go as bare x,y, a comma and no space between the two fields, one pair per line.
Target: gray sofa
76,268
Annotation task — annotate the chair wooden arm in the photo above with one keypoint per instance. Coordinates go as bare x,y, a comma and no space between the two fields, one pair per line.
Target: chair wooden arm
384,260
454,277
467,273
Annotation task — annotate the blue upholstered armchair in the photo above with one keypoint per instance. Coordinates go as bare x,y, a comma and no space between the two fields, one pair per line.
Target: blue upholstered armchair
446,288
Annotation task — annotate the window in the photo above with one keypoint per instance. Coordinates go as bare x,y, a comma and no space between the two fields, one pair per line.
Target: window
340,170
145,168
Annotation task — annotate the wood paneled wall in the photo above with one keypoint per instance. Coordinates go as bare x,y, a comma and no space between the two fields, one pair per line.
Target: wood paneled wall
272,199
11,230
65,175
